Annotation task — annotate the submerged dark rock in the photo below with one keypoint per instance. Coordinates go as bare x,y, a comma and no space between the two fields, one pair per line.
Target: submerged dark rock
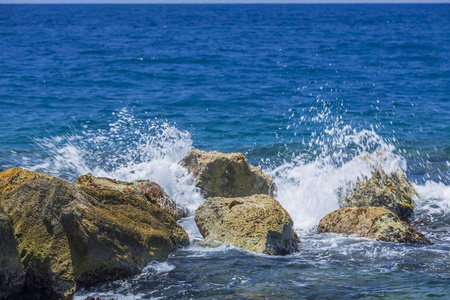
256,223
376,223
227,174
393,191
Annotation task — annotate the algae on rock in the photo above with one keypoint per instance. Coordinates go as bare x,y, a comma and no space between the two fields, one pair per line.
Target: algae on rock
394,192
227,174
256,223
371,222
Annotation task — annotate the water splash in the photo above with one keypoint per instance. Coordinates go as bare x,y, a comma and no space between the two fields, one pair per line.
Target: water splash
333,156
119,289
434,202
309,188
129,149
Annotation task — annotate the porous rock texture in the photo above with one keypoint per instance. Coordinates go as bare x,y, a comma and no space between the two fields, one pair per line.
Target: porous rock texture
13,178
376,223
227,174
115,191
393,191
67,239
256,223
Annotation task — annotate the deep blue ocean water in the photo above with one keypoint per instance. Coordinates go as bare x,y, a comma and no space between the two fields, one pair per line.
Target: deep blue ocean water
305,91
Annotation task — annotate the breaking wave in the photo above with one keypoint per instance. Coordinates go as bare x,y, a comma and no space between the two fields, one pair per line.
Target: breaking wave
129,149
309,183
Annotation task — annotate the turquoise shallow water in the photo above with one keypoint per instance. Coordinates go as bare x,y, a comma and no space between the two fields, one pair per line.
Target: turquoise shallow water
304,91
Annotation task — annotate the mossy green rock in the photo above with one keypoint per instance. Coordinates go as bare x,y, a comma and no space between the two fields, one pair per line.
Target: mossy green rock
67,239
227,174
394,192
113,191
376,223
12,276
256,223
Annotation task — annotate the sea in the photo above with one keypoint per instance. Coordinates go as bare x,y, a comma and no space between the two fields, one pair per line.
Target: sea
318,96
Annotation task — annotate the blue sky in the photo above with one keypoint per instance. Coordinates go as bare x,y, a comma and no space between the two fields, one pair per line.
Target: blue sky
225,1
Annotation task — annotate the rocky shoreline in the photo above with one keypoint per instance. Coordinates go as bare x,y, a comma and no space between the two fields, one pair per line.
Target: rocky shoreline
57,237
71,236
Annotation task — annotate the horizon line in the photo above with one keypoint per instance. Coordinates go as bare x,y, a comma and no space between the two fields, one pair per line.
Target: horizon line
224,2
219,3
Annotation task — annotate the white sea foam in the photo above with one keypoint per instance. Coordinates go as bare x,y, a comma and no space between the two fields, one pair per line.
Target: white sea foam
120,289
157,267
308,185
333,159
191,228
130,149
309,188
434,198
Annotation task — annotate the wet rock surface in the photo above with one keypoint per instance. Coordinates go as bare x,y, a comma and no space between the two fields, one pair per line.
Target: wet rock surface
256,223
393,191
67,239
114,191
376,223
227,174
